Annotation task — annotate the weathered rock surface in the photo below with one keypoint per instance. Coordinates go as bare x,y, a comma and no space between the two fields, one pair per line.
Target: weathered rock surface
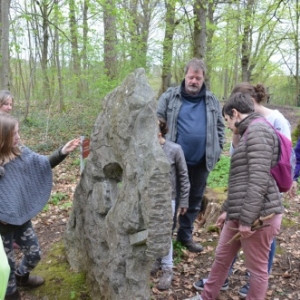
121,217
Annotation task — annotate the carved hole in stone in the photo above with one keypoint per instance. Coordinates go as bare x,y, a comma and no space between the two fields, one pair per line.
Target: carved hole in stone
113,171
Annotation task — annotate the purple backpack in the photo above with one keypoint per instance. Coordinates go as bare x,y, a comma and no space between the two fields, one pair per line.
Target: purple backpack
282,172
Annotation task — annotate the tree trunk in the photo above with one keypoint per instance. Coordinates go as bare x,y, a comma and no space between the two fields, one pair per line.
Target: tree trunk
168,45
247,42
226,76
57,60
5,5
74,46
140,14
199,50
209,42
237,54
44,41
144,27
110,39
297,83
85,43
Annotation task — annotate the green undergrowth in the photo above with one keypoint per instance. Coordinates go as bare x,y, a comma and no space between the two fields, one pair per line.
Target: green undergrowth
59,199
213,228
44,131
178,250
280,250
287,223
218,177
61,283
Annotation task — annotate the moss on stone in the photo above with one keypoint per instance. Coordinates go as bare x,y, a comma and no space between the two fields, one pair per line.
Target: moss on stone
61,282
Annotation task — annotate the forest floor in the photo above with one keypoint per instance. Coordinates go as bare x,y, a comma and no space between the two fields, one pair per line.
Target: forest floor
284,282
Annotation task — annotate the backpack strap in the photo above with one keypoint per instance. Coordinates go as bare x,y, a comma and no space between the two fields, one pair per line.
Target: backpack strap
275,130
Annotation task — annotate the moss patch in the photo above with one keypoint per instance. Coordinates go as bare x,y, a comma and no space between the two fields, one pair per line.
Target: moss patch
61,283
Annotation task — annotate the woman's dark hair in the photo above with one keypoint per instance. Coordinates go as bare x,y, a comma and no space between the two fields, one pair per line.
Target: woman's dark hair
258,92
241,102
163,127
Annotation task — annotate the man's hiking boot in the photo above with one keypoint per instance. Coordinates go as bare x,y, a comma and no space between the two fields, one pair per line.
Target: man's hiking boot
192,246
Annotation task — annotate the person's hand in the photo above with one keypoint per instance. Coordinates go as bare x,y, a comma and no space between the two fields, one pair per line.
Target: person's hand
221,220
182,210
70,146
293,190
245,231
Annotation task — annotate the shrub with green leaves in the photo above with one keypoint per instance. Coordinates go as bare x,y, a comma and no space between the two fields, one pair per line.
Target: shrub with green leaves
57,197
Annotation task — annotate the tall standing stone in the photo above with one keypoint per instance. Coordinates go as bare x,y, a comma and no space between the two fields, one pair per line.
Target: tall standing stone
121,217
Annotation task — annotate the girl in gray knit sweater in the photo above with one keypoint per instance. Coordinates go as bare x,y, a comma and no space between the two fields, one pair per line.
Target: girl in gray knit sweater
25,187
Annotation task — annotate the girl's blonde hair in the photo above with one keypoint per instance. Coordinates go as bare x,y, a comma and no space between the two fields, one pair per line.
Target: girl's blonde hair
4,95
8,151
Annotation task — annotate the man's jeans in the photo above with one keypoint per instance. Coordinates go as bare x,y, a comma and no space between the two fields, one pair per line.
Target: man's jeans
197,175
271,255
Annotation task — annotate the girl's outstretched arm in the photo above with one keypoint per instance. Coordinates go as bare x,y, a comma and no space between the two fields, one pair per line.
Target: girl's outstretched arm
60,154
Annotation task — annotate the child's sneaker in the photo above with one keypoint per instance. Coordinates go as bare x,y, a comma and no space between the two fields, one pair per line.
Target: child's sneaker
165,280
244,290
199,285
196,297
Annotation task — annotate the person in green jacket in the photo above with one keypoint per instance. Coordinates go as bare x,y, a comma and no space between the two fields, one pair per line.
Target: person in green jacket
4,272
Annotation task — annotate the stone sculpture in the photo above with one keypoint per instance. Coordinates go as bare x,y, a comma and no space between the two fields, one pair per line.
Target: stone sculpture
121,218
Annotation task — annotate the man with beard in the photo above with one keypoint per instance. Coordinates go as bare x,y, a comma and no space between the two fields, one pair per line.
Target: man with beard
195,122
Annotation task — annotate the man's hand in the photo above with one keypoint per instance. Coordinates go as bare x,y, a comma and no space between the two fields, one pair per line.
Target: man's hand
221,220
245,231
70,146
